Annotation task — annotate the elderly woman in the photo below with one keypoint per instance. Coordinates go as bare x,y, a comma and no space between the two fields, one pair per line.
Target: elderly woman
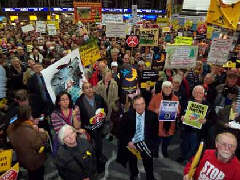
75,158
28,141
166,128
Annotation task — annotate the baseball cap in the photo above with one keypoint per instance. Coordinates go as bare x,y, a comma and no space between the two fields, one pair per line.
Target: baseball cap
114,63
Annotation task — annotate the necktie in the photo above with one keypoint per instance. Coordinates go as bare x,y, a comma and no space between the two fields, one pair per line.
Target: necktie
139,129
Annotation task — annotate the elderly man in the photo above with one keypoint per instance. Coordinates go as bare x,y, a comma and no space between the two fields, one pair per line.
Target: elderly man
220,163
75,157
92,118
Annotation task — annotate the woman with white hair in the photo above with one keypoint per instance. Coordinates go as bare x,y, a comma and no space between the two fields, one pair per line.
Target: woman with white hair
75,157
166,128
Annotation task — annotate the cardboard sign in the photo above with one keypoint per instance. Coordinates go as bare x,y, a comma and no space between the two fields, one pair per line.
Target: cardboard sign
5,160
116,30
219,51
41,26
168,110
27,28
148,37
89,53
87,12
181,57
194,113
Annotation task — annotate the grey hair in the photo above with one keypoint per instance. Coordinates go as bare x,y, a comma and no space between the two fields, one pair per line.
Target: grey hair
61,133
177,78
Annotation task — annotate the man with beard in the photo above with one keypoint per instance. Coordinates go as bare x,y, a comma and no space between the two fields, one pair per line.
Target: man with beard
220,163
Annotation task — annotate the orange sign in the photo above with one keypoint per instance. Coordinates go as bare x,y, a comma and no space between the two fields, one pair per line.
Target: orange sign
87,12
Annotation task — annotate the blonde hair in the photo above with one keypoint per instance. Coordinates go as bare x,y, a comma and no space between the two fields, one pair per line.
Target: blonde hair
219,136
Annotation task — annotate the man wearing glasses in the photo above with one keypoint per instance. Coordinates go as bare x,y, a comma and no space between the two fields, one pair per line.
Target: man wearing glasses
218,164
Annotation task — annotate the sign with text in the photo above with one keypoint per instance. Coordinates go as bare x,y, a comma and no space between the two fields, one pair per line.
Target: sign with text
27,28
181,57
148,37
168,110
149,78
181,40
11,174
51,29
219,51
41,26
5,160
116,30
89,53
194,113
112,18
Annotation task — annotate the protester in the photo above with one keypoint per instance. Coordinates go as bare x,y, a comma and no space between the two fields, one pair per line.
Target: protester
28,140
75,157
220,163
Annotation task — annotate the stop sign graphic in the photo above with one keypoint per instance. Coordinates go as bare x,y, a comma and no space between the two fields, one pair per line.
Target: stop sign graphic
132,41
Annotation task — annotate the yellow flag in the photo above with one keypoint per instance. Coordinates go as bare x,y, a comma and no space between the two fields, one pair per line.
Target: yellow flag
224,15
195,161
135,152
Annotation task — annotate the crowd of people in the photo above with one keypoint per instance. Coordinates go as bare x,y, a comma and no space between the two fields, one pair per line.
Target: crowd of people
30,119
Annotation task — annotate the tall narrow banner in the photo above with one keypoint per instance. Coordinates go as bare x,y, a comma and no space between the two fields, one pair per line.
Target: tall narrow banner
224,15
87,12
168,110
65,74
219,51
181,57
89,53
148,37
194,113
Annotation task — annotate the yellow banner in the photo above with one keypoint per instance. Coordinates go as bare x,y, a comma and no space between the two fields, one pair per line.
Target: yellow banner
224,15
181,40
5,160
89,53
54,22
144,85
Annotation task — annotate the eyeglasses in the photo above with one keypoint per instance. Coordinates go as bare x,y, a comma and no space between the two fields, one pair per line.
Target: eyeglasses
229,146
64,99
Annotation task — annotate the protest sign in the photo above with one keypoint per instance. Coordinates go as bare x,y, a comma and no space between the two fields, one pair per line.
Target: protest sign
223,15
64,74
134,14
41,26
116,30
89,53
27,28
11,174
112,18
168,110
5,160
194,113
148,37
87,12
181,57
56,23
181,40
219,51
128,77
51,29
210,30
162,22
166,29
149,78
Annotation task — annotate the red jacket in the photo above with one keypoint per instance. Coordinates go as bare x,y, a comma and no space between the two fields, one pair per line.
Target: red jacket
211,168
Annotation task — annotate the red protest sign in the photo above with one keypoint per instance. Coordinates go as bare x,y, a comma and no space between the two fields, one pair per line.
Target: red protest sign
132,41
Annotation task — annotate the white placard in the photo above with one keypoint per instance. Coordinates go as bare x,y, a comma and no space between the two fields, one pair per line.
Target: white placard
51,29
27,28
116,30
219,51
41,26
58,75
112,18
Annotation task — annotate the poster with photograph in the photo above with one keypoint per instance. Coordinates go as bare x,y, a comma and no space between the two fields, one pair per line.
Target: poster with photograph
65,74
168,110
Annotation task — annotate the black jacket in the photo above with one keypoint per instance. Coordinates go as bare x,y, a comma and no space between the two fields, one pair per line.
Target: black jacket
76,163
128,129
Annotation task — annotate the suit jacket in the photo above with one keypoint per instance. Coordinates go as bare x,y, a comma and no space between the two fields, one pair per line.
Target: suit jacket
128,129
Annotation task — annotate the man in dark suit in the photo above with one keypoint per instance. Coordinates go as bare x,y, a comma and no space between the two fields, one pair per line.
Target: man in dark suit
139,130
